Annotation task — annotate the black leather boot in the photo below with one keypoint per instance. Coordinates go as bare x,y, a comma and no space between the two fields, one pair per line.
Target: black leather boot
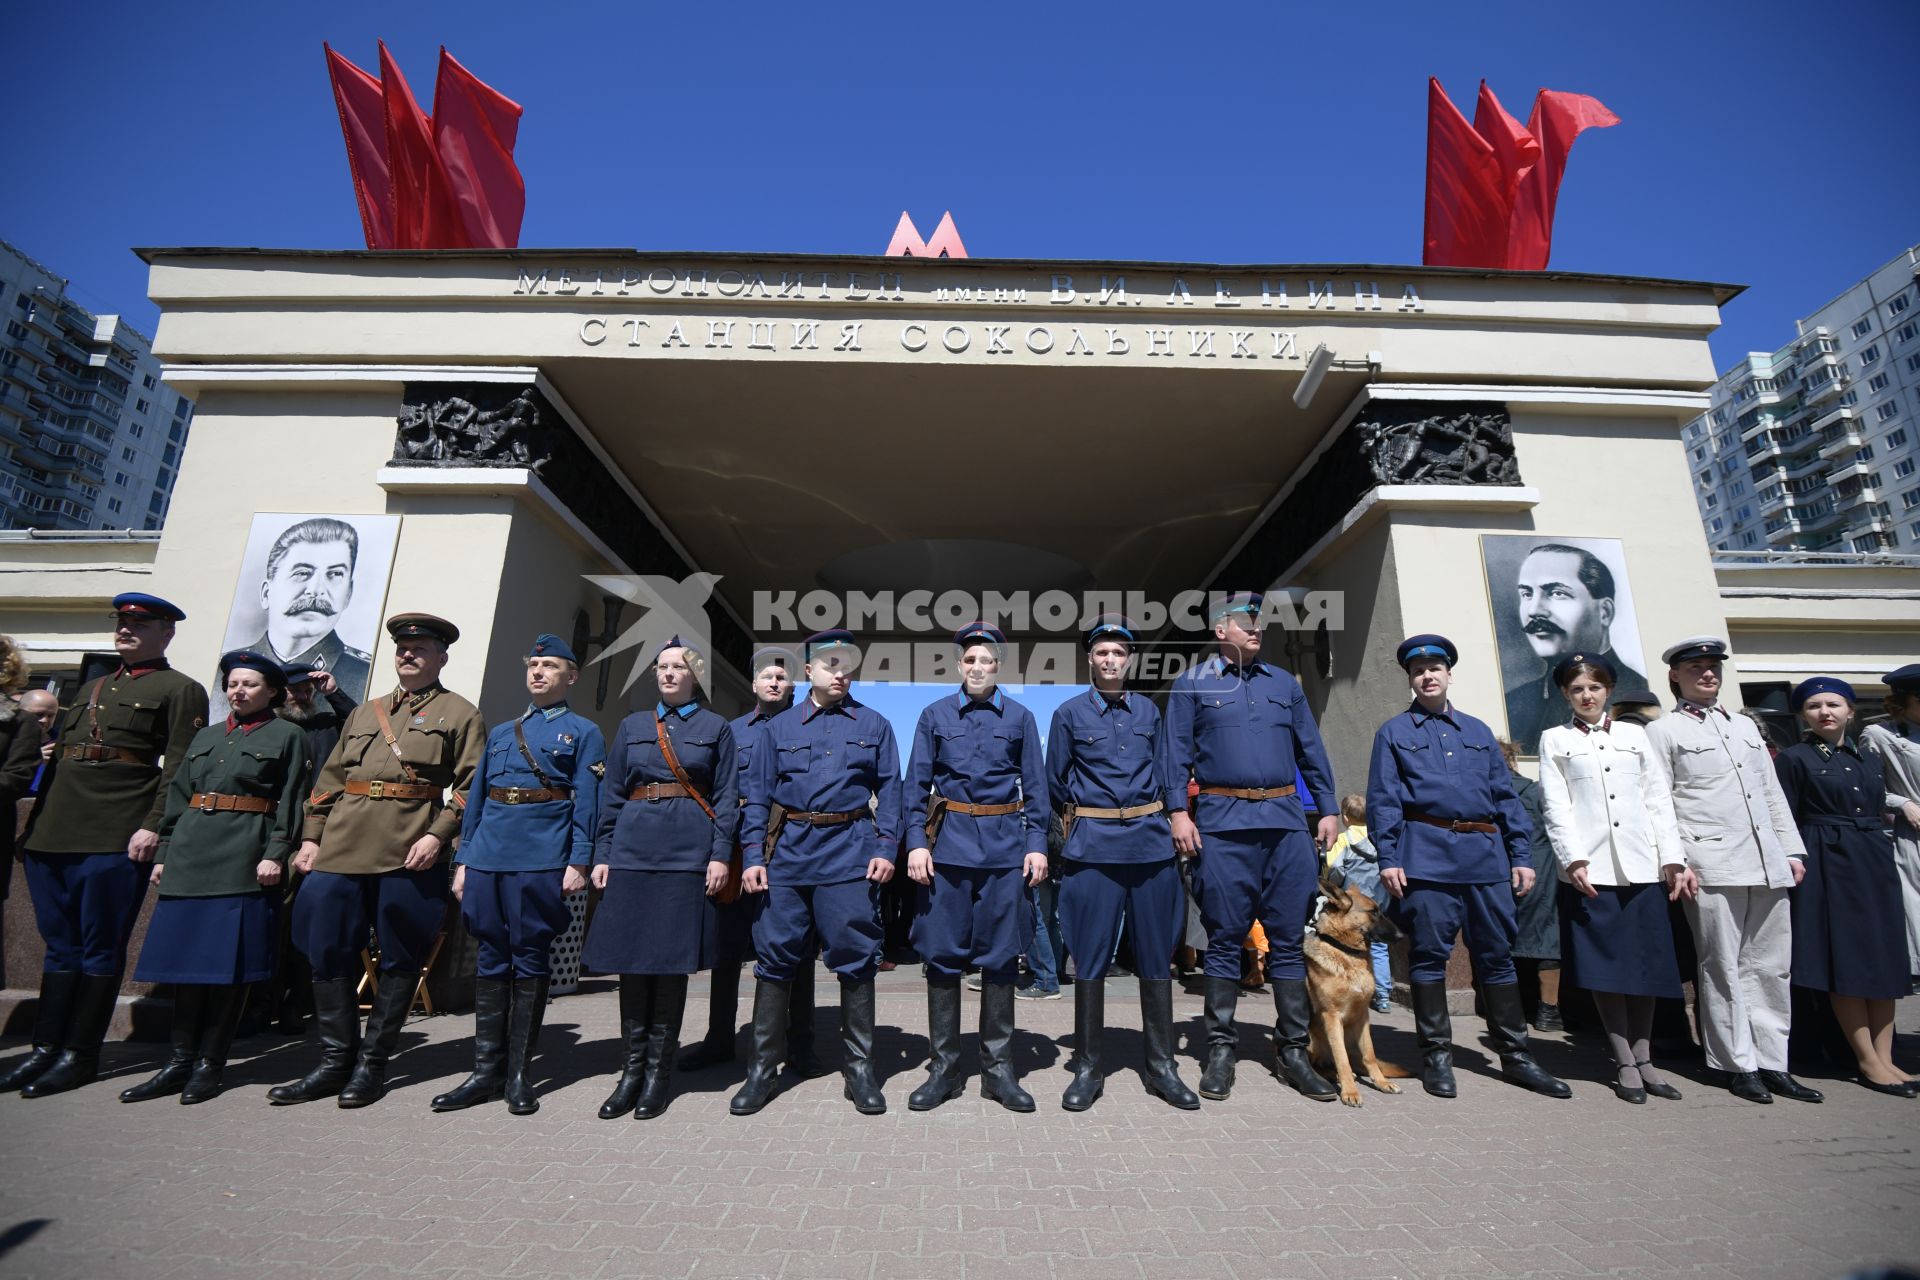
1435,1027
219,1021
526,1013
79,1060
391,1004
997,1080
488,1081
856,1033
1156,1025
188,997
944,1080
336,1018
663,1044
636,1009
1222,997
723,1006
1507,1024
51,1012
769,1047
1292,1018
802,1058
1089,1027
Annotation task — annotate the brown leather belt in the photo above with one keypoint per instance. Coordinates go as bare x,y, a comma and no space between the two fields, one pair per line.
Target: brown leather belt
983,810
658,791
1131,811
216,802
1247,793
825,819
120,755
380,789
527,795
1455,824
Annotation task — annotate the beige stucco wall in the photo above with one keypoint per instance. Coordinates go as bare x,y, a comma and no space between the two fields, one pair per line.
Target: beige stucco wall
1365,688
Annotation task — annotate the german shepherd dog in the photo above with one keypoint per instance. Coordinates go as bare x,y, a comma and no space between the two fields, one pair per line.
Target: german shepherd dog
1340,983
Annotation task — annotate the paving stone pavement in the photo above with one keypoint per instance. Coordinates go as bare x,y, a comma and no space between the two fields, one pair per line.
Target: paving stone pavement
1267,1184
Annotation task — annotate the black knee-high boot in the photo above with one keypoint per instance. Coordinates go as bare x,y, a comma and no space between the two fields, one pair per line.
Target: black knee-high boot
488,1080
55,1006
526,1012
172,1078
723,1007
336,1015
79,1060
219,1020
636,998
769,1047
663,1044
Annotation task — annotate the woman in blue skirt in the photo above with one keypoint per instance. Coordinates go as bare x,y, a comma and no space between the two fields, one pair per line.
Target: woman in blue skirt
1849,936
1610,818
668,811
233,818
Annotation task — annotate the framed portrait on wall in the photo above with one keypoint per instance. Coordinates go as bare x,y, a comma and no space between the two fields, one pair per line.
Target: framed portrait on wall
1553,598
312,590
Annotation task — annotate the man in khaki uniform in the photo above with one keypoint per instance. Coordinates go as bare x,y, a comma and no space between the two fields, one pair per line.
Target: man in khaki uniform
1740,839
384,811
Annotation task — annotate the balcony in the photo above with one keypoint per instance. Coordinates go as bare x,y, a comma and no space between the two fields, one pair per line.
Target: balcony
1801,468
1760,423
1851,502
1840,441
1849,471
1822,515
1839,412
1777,503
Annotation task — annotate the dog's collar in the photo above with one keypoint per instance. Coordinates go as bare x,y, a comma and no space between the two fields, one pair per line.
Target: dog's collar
1313,921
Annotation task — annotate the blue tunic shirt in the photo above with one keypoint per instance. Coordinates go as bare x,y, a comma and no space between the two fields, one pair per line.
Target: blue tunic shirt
824,760
1231,726
978,751
673,834
746,736
571,751
1445,765
1109,753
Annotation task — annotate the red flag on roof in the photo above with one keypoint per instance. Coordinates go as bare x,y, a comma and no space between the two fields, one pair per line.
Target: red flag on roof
474,129
1558,118
1466,221
363,123
423,211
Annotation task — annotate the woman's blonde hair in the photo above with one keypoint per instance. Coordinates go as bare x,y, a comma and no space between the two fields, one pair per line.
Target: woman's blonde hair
13,666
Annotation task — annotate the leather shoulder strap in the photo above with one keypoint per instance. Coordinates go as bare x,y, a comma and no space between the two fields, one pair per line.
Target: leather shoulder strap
93,710
520,736
673,763
393,742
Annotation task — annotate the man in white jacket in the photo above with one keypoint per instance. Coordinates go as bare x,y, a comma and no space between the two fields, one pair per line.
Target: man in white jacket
1740,838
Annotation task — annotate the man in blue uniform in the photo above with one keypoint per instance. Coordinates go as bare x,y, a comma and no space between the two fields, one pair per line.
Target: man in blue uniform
1112,785
976,789
526,841
93,834
1452,837
821,833
773,671
1241,729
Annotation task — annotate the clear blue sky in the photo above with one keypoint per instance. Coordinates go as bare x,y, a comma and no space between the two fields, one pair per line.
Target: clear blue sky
1769,144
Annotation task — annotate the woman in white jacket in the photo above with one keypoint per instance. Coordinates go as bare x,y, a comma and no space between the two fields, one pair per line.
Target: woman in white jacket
1610,819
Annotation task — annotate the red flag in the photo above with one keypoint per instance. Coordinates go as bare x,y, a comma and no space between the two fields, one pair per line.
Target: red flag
474,128
363,124
1558,118
1467,219
1516,150
424,216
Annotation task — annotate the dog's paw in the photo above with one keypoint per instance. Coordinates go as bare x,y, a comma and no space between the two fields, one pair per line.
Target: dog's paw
1386,1086
1350,1095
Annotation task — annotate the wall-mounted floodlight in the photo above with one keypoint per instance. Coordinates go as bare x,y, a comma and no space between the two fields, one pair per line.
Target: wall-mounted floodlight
1317,365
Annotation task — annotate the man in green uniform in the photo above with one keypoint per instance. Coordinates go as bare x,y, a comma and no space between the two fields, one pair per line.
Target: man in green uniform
387,805
94,832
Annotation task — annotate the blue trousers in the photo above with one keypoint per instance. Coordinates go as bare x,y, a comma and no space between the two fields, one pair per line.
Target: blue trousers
514,916
973,916
332,913
85,905
1096,897
1243,876
1047,955
840,921
1433,915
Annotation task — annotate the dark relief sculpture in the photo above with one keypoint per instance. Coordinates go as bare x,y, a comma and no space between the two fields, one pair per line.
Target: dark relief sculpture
1390,442
498,425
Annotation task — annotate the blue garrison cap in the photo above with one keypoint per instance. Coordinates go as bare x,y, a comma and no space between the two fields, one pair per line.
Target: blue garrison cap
1563,669
831,638
549,645
980,633
248,660
1819,684
676,643
1108,626
301,672
142,605
1247,602
1426,646
1905,679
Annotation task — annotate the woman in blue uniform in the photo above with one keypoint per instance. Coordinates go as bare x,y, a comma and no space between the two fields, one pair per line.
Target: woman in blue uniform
668,810
232,820
1849,938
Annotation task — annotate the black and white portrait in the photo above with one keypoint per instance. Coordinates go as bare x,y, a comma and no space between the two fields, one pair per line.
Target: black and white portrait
1553,598
311,589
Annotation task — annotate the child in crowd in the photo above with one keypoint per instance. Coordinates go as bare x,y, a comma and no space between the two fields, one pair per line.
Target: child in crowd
1353,863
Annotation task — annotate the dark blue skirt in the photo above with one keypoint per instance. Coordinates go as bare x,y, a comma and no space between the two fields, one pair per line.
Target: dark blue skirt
1849,927
228,939
1618,942
653,922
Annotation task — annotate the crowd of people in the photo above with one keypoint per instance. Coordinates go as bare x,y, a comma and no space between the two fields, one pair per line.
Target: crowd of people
304,825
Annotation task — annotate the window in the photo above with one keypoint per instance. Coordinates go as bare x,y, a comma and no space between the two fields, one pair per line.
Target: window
1744,513
1861,328
170,455
16,331
1906,332
120,479
1897,438
1877,383
1718,524
1713,500
1886,412
177,431
1913,364
23,302
147,381
1898,305
156,502
1700,455
1910,499
1868,355
1863,454
1903,468
113,505
127,454
146,406
181,408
